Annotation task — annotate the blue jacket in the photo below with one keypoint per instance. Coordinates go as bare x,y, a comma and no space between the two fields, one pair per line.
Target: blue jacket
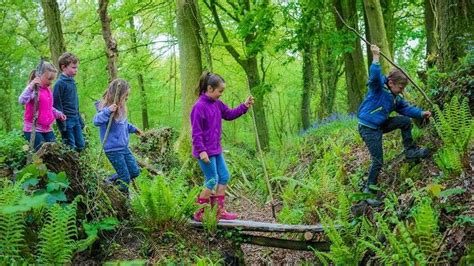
380,102
119,130
65,99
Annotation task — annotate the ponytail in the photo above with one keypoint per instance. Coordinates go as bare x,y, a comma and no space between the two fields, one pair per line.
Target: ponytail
208,78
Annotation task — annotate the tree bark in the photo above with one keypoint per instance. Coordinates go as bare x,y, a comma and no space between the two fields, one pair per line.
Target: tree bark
356,75
190,66
431,46
111,50
52,19
455,31
377,30
389,22
6,99
308,86
141,84
367,37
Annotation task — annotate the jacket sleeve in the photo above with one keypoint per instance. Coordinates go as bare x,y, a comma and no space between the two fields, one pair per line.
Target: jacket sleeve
404,108
26,96
56,113
197,131
376,78
131,128
102,116
231,114
57,93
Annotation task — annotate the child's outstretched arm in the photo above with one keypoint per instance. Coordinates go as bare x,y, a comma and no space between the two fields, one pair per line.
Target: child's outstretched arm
404,108
376,78
231,114
102,116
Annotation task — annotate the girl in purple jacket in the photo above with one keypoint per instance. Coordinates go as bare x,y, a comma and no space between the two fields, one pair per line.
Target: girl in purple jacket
206,126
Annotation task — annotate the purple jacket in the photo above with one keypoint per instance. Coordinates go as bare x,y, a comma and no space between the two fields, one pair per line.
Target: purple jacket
206,124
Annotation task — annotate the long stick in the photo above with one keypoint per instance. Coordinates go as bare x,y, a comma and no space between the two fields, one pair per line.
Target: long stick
38,73
388,59
109,124
262,160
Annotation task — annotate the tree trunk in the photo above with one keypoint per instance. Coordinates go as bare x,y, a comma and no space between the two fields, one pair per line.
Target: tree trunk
431,46
6,99
110,44
389,20
377,30
455,31
308,85
141,84
190,66
356,75
52,18
367,37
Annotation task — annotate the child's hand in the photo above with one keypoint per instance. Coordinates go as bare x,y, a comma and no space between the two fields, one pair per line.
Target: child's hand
375,49
139,132
426,114
62,117
250,100
113,108
37,80
203,155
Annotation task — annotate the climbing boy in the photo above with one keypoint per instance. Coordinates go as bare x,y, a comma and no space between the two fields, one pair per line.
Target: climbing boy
66,101
383,97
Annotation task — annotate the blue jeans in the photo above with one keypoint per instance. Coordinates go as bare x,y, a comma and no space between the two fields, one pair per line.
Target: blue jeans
125,165
373,140
40,137
215,172
71,133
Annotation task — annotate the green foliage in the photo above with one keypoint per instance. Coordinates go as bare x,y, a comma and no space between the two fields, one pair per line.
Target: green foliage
209,219
92,231
449,160
159,205
57,236
425,232
13,149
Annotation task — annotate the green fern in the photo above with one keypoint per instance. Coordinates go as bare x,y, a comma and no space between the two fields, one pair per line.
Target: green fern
209,219
12,224
159,205
57,236
449,160
455,124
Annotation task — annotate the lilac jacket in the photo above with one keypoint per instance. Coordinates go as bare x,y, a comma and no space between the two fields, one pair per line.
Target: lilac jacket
206,124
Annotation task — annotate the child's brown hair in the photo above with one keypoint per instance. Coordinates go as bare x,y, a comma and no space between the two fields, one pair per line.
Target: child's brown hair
66,59
208,78
121,88
397,77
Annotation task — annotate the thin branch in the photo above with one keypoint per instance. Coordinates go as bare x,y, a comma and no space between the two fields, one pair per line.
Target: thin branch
228,13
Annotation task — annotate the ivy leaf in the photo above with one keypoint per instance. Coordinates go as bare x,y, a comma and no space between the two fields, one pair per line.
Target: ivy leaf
435,189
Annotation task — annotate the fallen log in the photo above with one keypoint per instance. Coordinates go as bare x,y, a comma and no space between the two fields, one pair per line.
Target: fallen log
263,226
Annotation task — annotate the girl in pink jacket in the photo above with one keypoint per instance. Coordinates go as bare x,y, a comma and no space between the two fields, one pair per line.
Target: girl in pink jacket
46,113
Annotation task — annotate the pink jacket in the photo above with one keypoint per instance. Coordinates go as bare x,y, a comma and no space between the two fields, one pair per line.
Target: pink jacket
46,112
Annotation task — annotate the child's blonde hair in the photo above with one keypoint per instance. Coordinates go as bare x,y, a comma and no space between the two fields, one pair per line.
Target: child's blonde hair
119,88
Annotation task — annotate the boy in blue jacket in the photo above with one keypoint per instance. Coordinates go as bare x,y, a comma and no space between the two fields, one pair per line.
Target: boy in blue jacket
66,101
374,118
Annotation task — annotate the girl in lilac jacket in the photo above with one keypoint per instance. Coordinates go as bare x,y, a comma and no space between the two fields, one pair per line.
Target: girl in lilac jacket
206,126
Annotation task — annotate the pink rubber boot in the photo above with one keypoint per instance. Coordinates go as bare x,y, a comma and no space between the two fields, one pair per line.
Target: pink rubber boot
199,213
222,214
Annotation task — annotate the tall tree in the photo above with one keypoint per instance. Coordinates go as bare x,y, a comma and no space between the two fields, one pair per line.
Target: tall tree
111,50
367,37
377,30
388,11
141,84
431,48
52,17
190,64
354,68
455,30
255,22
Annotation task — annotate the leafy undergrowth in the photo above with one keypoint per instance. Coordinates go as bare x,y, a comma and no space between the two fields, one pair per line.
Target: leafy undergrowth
427,216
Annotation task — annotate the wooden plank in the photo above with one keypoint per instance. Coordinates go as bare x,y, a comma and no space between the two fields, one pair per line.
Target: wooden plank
284,243
263,226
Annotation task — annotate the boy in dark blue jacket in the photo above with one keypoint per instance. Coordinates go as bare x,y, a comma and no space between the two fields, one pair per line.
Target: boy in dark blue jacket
66,101
382,98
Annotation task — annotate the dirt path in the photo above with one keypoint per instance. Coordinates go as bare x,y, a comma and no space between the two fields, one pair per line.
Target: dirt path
257,255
